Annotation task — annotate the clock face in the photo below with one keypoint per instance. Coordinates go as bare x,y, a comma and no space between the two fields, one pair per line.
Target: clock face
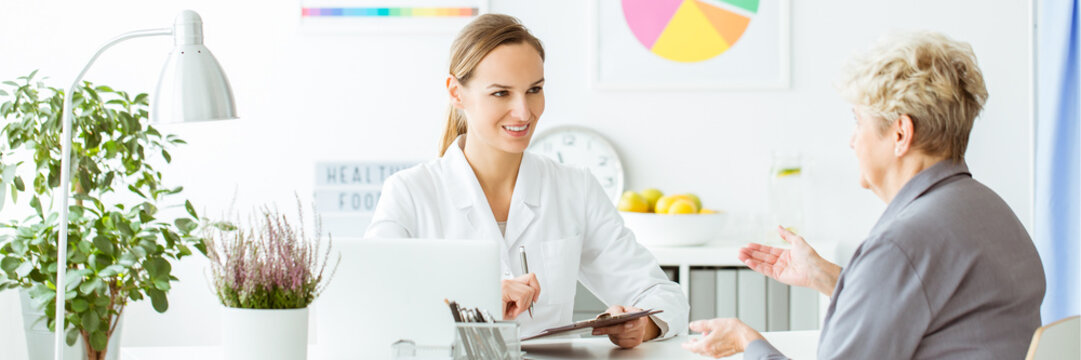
584,148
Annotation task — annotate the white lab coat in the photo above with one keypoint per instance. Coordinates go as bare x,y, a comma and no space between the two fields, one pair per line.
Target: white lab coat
569,227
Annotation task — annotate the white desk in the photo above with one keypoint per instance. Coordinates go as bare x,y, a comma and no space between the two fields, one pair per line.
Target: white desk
797,344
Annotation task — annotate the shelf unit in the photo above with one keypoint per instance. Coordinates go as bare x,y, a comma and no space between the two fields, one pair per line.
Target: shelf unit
727,288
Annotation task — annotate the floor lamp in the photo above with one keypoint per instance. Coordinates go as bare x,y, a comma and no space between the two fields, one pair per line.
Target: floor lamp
192,87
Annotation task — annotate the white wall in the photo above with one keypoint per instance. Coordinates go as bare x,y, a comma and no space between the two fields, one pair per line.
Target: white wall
310,98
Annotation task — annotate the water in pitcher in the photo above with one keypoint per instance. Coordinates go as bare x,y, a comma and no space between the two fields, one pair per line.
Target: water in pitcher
786,194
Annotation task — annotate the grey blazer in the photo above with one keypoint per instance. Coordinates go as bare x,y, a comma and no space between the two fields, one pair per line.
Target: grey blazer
948,272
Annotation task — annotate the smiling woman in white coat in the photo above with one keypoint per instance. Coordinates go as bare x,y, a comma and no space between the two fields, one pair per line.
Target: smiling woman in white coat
486,186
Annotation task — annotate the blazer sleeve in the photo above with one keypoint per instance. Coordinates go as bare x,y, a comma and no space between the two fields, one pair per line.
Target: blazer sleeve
762,350
622,272
881,307
395,215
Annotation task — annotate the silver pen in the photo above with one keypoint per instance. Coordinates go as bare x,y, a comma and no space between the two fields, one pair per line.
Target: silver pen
525,270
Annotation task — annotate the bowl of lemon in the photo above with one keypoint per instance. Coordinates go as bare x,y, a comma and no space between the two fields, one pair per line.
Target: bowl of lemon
669,220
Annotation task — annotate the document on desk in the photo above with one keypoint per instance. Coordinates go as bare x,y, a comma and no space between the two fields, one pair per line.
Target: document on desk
601,320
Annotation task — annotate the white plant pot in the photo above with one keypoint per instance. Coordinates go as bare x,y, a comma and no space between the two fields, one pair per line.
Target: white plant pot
39,340
259,334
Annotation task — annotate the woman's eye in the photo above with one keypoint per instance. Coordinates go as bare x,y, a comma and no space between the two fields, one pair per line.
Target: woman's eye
501,93
535,89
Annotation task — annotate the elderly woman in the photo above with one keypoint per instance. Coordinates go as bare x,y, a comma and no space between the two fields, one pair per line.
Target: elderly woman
948,272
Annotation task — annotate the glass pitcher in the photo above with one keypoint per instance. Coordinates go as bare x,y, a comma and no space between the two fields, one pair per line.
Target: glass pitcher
786,194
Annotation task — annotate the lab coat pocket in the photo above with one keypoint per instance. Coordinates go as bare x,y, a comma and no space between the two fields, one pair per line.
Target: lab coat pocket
561,265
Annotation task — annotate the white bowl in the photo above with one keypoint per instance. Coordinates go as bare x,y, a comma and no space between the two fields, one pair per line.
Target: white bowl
674,230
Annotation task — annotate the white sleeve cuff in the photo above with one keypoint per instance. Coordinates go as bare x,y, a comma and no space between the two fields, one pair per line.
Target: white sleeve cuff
663,327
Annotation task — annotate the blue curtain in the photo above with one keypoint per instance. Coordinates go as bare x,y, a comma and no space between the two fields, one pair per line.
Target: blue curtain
1058,159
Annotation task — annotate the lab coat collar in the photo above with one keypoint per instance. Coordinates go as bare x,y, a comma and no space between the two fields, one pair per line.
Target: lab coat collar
466,194
461,177
525,199
462,185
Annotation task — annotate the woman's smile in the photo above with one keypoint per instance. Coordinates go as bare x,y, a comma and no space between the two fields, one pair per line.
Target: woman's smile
517,131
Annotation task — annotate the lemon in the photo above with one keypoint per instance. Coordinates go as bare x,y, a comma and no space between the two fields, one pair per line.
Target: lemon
633,202
682,206
651,196
694,198
789,172
707,211
663,203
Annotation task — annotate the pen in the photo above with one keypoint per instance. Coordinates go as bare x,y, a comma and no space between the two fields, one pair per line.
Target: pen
525,270
457,314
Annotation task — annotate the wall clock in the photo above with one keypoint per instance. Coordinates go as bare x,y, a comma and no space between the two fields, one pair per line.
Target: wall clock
581,147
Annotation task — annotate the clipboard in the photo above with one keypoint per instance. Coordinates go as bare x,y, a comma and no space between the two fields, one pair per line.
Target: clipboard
601,320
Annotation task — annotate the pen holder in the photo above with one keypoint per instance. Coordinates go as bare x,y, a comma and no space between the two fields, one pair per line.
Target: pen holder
498,340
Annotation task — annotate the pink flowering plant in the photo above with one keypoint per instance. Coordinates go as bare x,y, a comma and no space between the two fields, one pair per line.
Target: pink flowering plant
272,264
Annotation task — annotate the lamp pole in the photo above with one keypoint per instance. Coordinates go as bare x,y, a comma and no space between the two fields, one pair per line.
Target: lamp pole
65,183
193,72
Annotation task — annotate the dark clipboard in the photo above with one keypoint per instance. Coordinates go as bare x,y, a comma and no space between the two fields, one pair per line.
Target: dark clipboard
601,320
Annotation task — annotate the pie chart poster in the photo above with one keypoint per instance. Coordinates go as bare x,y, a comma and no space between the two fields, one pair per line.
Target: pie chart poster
690,44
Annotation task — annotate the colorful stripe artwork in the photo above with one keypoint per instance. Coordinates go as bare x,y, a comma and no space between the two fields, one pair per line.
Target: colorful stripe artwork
391,12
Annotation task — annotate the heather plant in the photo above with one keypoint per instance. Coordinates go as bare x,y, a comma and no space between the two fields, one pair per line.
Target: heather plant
271,264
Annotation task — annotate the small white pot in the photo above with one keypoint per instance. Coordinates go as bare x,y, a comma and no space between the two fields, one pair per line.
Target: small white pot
39,340
260,334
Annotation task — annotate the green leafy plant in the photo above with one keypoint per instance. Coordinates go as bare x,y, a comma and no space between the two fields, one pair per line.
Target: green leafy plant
120,249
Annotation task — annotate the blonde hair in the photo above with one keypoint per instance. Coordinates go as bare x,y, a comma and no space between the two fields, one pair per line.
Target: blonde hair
474,42
929,77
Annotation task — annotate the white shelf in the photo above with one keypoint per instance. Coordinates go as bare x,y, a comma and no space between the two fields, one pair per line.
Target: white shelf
706,255
717,253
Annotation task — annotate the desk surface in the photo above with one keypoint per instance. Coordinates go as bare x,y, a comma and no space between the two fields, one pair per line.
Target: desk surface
799,344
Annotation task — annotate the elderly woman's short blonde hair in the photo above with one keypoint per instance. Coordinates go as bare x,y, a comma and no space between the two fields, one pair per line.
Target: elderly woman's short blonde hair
929,77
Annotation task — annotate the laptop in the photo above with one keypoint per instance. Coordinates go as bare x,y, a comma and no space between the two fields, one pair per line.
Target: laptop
387,290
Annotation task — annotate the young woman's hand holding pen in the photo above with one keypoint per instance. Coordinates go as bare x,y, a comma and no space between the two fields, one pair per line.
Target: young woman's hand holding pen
518,294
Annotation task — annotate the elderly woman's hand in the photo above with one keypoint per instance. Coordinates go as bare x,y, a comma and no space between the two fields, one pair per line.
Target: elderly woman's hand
721,337
798,266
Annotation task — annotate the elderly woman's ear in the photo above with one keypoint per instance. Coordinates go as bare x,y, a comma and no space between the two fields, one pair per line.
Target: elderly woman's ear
903,130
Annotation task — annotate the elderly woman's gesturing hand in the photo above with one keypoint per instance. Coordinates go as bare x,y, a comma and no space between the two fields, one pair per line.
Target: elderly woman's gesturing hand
797,266
721,337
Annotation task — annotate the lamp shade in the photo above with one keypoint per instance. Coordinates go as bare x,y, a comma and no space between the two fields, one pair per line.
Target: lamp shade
192,86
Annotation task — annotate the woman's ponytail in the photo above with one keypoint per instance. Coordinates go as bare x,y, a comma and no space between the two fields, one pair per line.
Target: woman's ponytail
455,127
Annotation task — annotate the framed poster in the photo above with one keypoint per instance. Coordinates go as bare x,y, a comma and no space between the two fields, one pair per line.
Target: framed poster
387,16
689,44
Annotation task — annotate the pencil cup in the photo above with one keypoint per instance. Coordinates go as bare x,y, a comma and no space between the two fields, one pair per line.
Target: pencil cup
497,340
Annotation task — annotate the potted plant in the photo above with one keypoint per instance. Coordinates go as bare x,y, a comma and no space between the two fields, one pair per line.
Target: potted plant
121,246
266,274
